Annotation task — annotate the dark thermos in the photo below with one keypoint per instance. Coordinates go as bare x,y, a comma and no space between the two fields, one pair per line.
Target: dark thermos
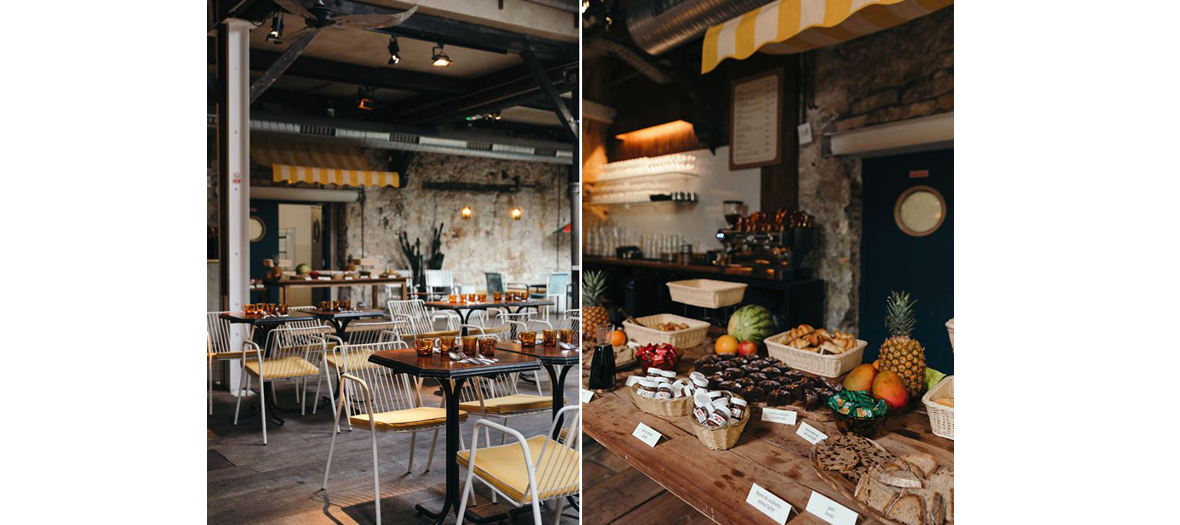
602,367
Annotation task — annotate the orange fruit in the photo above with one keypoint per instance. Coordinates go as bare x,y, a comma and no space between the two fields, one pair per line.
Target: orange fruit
726,344
877,364
618,338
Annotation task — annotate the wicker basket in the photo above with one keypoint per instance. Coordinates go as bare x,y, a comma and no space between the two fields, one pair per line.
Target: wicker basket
942,417
721,438
681,406
950,329
679,339
826,365
707,293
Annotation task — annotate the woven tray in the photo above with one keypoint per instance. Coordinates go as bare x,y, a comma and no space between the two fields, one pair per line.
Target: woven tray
722,438
679,339
942,417
707,293
826,365
681,406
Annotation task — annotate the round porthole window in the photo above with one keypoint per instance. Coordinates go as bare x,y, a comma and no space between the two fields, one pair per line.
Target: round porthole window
257,229
919,211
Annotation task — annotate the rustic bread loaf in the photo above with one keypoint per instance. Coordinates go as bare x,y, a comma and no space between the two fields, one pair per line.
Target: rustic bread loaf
908,509
943,482
926,463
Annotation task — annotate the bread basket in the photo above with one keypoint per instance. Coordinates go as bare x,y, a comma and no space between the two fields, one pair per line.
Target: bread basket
644,335
942,417
826,365
721,438
707,293
680,406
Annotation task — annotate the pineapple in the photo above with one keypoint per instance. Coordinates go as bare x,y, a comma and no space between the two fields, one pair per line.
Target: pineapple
899,353
593,312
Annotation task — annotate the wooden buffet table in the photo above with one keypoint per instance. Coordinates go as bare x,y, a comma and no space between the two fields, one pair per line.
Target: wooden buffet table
716,483
336,283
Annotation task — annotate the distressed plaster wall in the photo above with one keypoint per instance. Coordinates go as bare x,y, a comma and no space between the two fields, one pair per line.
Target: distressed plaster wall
524,250
898,74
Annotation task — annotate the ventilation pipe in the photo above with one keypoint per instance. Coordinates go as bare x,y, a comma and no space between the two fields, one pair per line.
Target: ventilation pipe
660,25
601,46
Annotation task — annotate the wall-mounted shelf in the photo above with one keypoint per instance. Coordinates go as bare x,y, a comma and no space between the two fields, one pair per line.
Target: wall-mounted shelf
632,177
637,204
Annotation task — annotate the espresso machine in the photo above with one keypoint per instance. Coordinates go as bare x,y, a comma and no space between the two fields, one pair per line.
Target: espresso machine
769,246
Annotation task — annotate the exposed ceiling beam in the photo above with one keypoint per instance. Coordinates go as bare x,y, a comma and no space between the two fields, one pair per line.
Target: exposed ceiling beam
551,95
503,89
388,78
462,34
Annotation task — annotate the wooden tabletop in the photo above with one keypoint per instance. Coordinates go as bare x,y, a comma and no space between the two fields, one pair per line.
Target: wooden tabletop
356,281
549,354
716,483
332,314
439,366
490,304
242,317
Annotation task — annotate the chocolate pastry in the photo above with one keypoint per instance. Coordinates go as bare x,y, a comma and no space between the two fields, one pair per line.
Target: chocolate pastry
810,400
745,382
753,394
774,361
771,371
769,385
711,358
715,381
760,363
708,368
796,391
733,373
779,398
736,361
730,386
824,394
833,385
757,376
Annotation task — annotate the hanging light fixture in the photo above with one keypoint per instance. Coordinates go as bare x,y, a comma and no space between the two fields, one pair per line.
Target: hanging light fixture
440,58
466,212
516,213
394,51
276,30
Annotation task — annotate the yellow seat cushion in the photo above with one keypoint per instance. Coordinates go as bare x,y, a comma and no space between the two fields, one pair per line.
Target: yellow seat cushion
283,367
406,419
355,361
232,355
504,467
512,403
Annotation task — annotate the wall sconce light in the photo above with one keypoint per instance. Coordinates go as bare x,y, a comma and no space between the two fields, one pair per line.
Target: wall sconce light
466,212
516,213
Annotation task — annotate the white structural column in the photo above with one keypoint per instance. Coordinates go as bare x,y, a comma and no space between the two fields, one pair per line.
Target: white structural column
233,140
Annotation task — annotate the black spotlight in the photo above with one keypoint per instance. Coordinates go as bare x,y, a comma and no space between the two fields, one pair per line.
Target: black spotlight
276,30
394,56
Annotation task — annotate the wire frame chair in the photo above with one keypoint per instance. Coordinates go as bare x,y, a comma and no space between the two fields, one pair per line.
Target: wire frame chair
572,320
421,320
361,336
219,345
436,279
383,400
523,322
293,354
552,467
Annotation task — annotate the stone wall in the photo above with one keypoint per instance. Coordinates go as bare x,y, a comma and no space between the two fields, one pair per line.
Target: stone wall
898,74
524,250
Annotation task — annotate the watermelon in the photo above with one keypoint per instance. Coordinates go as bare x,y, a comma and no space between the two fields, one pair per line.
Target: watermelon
303,268
751,323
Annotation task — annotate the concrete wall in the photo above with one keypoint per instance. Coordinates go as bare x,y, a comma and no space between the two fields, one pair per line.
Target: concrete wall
898,74
524,250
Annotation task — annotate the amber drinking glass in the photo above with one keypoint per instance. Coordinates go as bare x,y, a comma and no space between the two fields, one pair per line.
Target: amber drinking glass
565,335
446,343
281,309
497,296
549,337
270,308
487,346
469,346
482,298
325,305
345,305
424,346
528,339
248,308
453,298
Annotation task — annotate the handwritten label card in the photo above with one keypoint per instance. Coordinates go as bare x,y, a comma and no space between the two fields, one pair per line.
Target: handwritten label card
647,435
775,415
348,278
325,278
810,433
769,504
829,510
587,395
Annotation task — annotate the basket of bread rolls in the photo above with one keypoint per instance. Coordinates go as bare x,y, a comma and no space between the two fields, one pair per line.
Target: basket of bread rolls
818,351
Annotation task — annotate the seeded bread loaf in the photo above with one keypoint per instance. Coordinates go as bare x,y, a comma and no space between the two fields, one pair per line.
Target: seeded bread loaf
903,479
908,509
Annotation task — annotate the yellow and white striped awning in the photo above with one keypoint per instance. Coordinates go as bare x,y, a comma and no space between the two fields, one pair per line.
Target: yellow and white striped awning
784,27
319,163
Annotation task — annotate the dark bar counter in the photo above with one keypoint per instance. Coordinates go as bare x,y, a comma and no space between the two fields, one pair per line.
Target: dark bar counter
640,287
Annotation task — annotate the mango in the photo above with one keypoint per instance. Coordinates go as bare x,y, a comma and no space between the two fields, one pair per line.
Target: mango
860,378
888,386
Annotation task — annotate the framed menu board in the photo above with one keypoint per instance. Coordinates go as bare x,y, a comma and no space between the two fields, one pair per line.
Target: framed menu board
756,120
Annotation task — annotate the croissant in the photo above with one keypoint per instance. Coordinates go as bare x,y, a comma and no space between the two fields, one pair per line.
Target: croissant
824,333
806,328
800,343
831,348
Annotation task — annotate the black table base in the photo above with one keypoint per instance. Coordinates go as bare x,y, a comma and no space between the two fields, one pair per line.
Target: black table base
451,394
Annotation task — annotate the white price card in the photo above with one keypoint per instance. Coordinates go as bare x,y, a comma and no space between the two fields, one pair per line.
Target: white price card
587,395
647,435
769,504
348,278
325,278
810,433
804,133
775,415
829,510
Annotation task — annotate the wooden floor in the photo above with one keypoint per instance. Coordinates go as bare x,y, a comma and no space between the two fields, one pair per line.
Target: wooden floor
280,483
615,492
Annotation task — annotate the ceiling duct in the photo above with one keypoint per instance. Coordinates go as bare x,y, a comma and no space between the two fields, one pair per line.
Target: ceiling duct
660,25
569,6
601,46
400,138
